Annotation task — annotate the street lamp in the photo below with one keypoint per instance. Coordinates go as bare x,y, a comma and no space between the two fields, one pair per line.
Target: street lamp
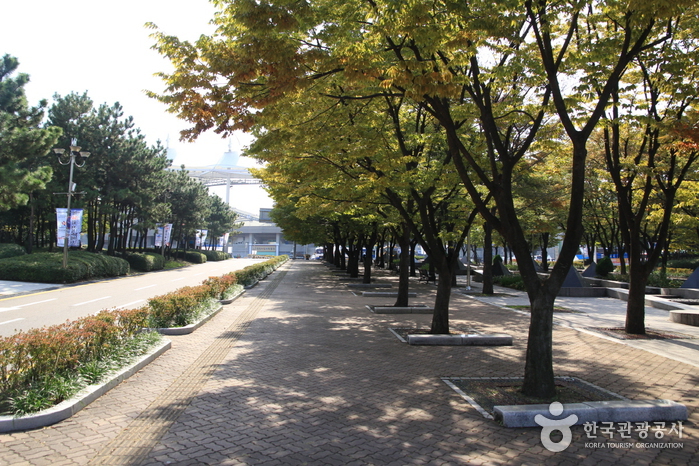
72,153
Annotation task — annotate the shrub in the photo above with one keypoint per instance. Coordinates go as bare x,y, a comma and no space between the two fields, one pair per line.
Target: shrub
47,267
194,257
510,281
181,307
604,267
11,250
145,262
687,263
32,357
216,255
220,285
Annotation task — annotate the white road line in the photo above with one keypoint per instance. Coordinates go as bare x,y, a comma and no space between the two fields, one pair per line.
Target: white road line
178,279
15,308
92,301
200,273
144,287
130,304
38,302
10,321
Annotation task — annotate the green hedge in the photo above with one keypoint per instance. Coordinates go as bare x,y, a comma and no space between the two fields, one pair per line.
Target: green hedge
195,257
47,267
31,362
215,255
146,261
41,356
11,250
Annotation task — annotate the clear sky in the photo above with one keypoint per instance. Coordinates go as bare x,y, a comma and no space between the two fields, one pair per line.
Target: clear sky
104,48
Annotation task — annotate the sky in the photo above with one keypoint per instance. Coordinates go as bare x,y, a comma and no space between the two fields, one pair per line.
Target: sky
104,48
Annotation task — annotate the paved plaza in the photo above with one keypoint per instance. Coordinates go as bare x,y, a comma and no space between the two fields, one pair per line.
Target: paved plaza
298,371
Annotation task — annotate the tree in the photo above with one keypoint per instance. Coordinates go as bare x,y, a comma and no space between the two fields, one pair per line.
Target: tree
492,74
25,145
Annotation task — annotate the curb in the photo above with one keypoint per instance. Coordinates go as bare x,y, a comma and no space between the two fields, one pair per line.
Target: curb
400,310
493,339
187,329
594,411
68,408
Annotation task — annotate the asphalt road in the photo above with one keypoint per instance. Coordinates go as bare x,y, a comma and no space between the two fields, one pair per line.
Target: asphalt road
43,308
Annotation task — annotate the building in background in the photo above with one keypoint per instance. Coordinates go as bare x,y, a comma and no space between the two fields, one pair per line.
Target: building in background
261,237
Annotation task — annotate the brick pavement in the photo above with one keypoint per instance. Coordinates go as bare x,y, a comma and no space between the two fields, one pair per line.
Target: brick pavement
312,377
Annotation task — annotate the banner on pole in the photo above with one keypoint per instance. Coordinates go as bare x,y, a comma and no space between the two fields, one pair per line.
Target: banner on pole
71,225
158,237
167,233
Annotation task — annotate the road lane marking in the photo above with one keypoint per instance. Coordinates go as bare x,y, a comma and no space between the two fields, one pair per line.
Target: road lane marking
37,302
144,287
92,301
16,308
178,279
10,321
130,304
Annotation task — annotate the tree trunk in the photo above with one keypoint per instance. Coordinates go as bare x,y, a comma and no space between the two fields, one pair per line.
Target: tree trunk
404,278
440,317
488,259
538,371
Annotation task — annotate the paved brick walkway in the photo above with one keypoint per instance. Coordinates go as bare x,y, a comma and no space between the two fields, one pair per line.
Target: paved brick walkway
298,371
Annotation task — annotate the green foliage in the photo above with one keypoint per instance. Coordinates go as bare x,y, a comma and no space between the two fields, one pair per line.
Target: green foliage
42,367
47,267
497,259
604,267
23,168
510,281
688,263
38,368
11,250
195,257
145,262
215,255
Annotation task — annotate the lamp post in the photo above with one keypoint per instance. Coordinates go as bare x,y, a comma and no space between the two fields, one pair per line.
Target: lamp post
72,153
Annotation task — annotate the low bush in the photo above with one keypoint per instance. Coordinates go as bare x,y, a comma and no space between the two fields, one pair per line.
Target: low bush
220,285
510,281
687,263
43,367
195,257
604,267
11,250
47,267
181,307
215,255
146,261
53,356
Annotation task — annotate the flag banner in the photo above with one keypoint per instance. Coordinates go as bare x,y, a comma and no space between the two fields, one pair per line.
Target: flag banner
72,225
167,233
200,238
158,237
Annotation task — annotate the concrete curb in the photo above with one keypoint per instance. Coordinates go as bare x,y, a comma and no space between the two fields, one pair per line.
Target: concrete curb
369,285
230,300
494,339
686,317
385,294
400,310
67,408
187,329
594,411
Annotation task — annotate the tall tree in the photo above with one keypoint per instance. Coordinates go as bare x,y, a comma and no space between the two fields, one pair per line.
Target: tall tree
24,166
492,73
